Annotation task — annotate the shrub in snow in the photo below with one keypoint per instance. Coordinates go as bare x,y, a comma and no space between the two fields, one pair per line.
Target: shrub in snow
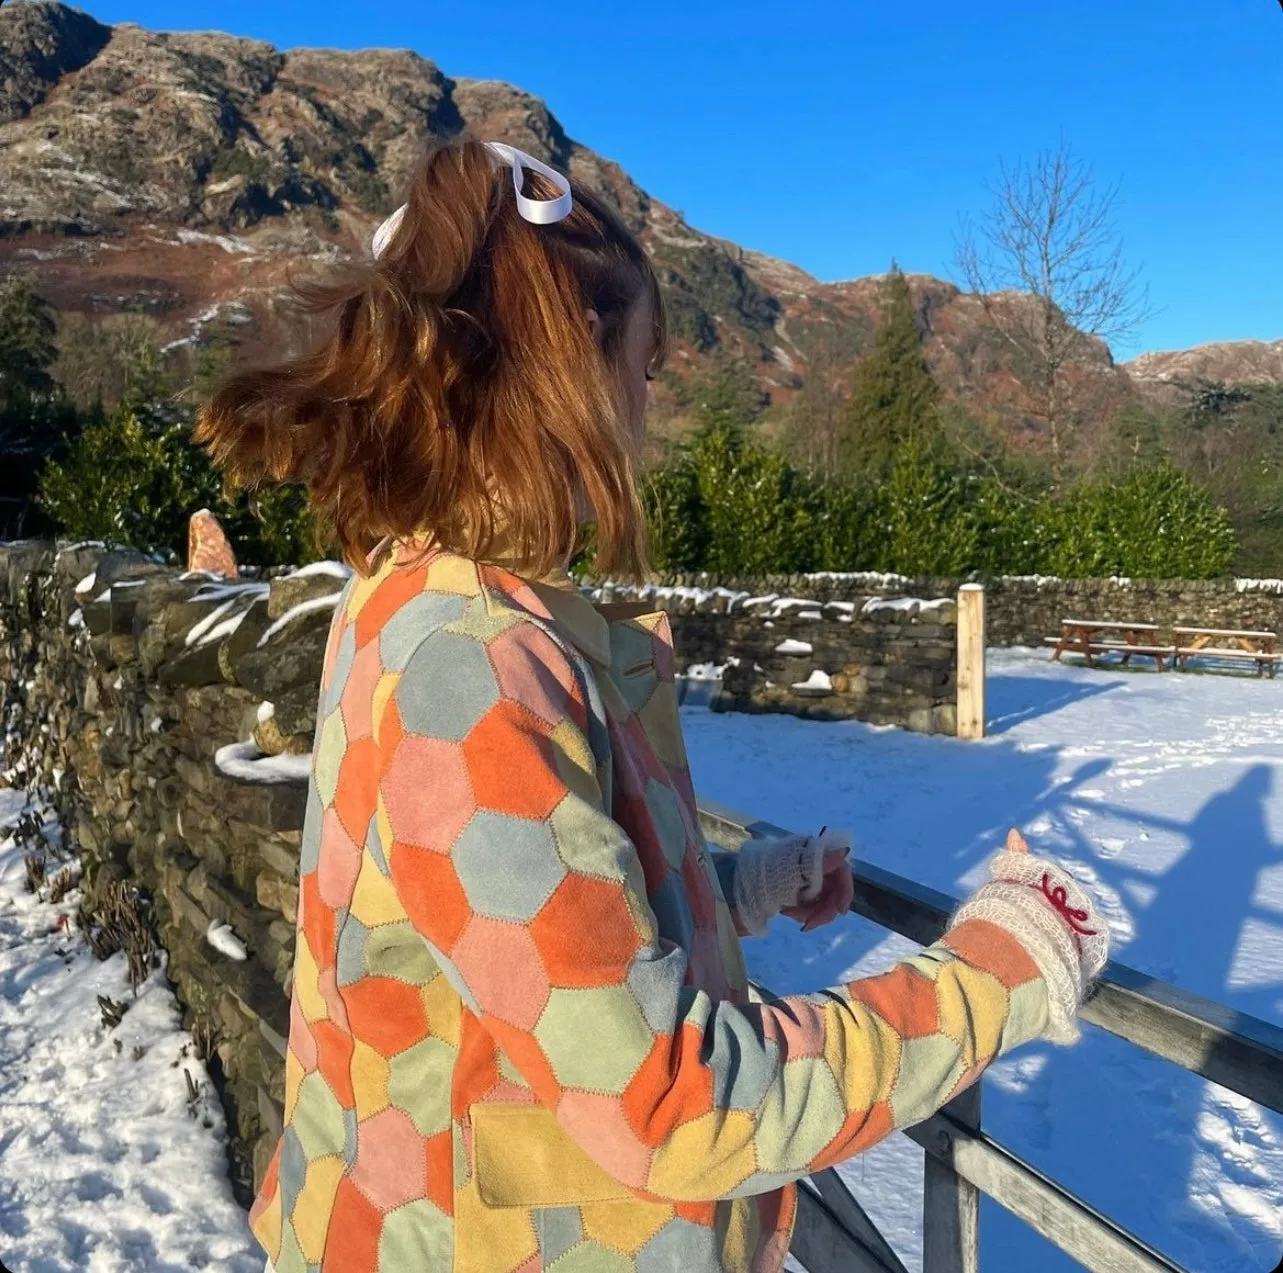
134,475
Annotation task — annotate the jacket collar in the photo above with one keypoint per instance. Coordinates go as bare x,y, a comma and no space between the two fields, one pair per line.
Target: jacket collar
575,615
586,626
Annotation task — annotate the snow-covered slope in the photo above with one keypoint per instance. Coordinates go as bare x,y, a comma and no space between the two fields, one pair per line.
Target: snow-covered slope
107,1163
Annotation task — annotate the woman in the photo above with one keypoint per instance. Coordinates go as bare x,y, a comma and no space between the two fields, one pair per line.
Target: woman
521,1035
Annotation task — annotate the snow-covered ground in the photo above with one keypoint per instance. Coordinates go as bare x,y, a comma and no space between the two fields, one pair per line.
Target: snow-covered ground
106,1163
1159,790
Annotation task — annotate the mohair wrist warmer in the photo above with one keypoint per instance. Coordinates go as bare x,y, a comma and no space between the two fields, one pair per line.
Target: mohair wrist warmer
1028,897
772,874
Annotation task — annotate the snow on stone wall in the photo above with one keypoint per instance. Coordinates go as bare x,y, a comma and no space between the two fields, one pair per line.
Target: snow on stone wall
1020,609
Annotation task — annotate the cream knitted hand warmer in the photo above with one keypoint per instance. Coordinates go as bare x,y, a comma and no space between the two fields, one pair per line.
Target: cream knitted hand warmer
1022,899
771,874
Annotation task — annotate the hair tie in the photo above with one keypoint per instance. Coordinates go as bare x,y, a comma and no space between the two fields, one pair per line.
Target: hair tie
536,211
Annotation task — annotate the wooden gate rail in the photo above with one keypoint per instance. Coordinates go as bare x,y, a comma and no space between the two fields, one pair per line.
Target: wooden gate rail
833,1234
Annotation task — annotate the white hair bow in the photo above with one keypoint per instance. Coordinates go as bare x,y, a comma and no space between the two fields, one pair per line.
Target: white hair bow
537,211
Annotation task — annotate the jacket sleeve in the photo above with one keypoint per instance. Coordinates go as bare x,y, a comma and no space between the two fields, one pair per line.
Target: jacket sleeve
532,898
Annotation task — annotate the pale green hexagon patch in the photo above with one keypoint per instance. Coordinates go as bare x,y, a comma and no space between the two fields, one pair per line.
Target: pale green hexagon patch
417,1235
1026,1014
481,623
592,1257
331,745
397,950
929,1068
800,1116
291,1258
610,1017
318,1118
419,1083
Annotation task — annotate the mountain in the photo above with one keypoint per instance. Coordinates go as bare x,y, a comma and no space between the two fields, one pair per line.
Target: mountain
1231,361
191,176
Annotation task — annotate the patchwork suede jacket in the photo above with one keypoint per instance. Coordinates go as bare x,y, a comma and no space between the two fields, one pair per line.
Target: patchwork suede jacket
521,1035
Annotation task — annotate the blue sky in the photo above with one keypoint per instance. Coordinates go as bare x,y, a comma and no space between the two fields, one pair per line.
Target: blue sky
838,135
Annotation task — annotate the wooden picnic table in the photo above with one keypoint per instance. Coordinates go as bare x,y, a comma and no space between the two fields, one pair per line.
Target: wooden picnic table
1109,636
1232,643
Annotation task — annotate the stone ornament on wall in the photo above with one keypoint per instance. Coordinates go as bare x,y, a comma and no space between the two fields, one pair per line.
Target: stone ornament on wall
207,546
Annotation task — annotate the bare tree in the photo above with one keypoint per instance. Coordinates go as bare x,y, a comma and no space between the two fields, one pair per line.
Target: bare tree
830,343
1051,237
816,415
98,358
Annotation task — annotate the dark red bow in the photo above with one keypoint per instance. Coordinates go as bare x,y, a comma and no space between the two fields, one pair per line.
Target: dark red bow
1059,898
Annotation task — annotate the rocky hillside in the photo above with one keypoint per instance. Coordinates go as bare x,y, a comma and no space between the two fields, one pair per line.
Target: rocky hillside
1233,361
190,176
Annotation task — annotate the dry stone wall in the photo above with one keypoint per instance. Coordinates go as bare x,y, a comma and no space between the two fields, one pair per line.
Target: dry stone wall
886,662
1020,610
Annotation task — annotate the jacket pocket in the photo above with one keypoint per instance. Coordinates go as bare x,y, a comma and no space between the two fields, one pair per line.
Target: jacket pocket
523,1158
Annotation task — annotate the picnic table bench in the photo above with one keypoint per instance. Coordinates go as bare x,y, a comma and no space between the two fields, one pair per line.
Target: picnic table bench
1231,643
1108,636
1090,637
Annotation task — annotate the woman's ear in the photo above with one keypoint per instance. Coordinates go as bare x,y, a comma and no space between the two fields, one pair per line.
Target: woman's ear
594,323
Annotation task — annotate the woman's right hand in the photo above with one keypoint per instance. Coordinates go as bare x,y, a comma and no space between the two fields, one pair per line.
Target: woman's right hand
1056,921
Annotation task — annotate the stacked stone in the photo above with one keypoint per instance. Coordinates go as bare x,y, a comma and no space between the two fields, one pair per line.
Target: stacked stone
126,690
888,666
1024,611
1020,610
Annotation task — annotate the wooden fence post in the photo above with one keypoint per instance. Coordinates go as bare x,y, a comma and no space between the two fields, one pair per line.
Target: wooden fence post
951,1205
971,661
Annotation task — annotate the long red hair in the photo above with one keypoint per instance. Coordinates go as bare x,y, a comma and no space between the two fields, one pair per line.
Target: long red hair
458,387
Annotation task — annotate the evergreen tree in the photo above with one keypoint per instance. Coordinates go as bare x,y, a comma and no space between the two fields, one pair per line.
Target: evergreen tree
894,396
758,511
135,476
928,527
676,514
36,420
1154,523
27,348
726,394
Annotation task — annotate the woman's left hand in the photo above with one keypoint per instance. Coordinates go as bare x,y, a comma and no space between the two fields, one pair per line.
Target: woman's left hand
836,889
